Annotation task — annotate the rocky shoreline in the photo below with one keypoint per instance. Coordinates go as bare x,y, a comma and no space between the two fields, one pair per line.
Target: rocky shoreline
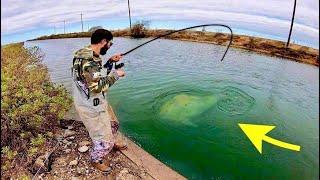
71,158
68,157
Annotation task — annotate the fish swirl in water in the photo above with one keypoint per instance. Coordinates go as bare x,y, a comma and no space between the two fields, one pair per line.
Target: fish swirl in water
184,105
235,101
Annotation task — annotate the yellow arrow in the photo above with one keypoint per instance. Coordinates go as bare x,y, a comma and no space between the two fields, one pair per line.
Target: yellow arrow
257,133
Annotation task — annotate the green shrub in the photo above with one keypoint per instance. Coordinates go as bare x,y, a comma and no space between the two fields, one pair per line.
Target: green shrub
8,153
24,177
30,103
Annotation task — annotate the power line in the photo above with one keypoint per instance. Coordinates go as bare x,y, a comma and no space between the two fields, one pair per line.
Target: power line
81,22
56,27
292,20
129,13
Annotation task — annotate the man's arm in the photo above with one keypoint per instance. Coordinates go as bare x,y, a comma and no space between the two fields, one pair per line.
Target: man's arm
97,77
109,79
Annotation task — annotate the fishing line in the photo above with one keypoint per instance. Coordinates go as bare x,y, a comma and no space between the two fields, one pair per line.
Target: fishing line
203,25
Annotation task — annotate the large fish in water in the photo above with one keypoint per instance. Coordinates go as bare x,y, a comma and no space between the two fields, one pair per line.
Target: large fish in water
183,108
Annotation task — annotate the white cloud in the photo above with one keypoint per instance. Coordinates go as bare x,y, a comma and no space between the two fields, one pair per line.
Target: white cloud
265,16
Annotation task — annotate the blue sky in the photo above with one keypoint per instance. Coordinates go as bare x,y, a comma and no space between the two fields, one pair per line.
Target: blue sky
26,19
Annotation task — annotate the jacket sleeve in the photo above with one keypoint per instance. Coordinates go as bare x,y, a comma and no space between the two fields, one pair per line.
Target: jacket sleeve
111,78
97,78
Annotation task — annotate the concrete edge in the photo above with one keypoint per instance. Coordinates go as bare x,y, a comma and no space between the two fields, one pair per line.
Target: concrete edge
143,159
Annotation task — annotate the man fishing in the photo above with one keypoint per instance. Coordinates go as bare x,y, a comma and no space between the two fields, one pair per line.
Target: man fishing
91,83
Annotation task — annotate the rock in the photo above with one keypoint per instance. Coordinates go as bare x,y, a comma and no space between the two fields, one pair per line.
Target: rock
67,151
118,166
64,123
43,163
74,178
70,127
58,137
84,143
71,138
50,134
65,141
39,162
60,162
81,171
125,175
83,149
124,171
73,163
68,133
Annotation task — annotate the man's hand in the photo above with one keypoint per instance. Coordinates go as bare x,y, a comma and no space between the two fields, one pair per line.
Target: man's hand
116,58
120,72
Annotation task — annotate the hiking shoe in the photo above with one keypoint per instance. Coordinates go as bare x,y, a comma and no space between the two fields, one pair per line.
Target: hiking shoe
120,146
120,143
102,165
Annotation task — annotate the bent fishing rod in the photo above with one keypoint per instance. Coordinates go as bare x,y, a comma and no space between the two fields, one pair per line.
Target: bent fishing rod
204,25
109,65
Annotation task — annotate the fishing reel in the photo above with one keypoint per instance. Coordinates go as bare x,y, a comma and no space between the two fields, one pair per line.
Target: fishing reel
109,65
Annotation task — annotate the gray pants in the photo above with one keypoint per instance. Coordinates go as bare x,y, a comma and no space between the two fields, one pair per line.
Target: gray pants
98,122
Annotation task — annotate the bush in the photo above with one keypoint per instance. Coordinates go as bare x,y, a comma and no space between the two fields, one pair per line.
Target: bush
30,103
139,28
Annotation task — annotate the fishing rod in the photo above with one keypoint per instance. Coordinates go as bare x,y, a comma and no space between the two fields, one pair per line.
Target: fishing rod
204,25
109,65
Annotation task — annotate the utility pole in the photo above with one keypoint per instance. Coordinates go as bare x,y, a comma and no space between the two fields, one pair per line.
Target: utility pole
64,26
81,22
129,14
292,20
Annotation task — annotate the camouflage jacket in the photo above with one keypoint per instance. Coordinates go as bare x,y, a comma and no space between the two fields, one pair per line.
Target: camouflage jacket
89,73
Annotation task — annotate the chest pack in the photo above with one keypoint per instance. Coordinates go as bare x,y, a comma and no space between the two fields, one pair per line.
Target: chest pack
76,69
77,75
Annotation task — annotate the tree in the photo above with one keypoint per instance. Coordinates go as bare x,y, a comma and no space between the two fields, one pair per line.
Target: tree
139,29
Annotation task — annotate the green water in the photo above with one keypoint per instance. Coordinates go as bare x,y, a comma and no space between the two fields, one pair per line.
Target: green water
183,106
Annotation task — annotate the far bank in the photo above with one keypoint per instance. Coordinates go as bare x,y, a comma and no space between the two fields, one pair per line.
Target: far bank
265,46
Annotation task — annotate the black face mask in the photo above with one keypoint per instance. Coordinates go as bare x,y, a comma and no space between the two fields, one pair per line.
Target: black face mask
104,50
